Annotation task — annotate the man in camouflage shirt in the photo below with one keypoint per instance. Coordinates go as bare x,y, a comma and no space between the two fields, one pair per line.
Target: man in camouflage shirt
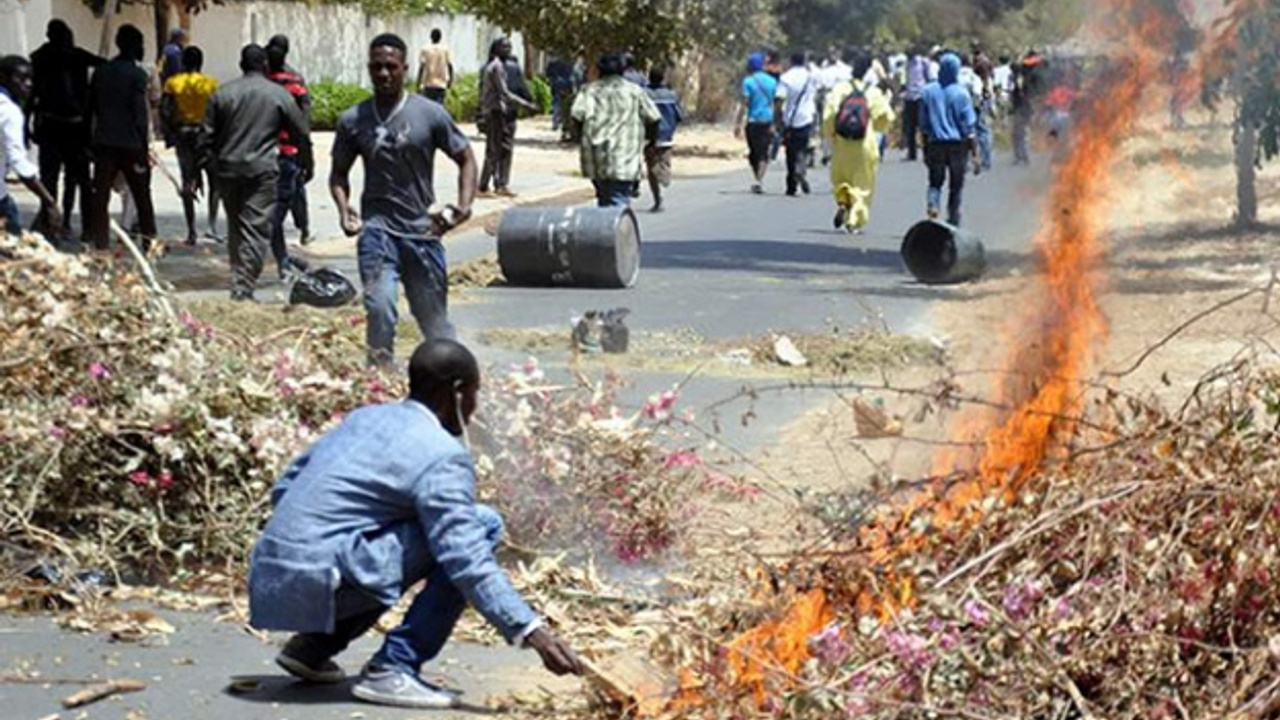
614,114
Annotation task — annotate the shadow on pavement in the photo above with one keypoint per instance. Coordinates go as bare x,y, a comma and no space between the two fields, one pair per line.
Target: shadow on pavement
774,256
284,690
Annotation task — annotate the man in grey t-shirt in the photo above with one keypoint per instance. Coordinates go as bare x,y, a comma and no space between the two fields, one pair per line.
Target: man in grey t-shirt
397,135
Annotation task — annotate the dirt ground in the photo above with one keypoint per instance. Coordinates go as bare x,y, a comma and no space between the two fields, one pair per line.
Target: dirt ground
1171,281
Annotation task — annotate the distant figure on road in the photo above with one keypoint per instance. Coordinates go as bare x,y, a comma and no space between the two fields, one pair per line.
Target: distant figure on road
171,55
756,118
182,108
657,154
948,120
291,192
435,68
561,76
15,87
498,103
299,209
397,134
913,91
382,502
241,142
856,116
632,72
60,107
120,109
614,113
797,96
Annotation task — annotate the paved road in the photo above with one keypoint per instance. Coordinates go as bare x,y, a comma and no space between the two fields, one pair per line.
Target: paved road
730,265
720,261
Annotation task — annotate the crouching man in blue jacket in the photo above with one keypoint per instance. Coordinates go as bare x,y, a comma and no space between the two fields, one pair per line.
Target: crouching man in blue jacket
382,501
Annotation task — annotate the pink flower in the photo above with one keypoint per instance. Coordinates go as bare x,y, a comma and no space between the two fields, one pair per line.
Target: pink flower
1021,599
98,371
658,407
682,459
829,645
165,480
57,433
140,478
80,401
977,614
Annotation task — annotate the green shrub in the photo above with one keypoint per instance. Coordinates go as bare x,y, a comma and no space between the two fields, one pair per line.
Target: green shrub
463,99
330,98
541,92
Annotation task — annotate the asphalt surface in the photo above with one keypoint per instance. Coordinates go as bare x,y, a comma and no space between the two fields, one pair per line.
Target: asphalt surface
721,262
731,265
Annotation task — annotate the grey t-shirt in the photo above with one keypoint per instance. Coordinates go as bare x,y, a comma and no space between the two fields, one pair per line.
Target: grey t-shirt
399,160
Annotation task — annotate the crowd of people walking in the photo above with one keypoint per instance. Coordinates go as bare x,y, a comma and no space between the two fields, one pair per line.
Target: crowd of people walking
845,106
245,145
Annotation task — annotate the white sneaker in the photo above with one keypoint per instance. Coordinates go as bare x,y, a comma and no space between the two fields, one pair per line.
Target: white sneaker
397,688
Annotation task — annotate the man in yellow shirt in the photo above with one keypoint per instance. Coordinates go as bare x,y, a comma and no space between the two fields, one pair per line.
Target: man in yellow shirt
435,69
182,108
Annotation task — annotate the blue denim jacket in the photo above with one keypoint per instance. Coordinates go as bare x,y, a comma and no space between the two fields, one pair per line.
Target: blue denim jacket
337,511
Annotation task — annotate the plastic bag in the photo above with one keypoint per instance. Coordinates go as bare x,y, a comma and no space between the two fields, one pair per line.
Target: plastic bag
323,288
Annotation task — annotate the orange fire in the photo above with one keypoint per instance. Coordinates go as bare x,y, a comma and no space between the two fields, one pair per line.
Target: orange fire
1051,353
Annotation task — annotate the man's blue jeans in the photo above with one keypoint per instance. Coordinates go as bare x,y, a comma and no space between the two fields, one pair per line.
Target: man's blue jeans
9,214
432,614
614,193
385,261
287,189
984,134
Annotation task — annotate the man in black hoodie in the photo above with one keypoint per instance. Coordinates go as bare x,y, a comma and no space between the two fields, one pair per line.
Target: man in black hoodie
59,104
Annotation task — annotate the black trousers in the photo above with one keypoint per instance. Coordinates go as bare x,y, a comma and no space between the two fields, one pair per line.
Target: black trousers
64,152
796,142
948,162
250,204
135,165
911,128
437,94
499,147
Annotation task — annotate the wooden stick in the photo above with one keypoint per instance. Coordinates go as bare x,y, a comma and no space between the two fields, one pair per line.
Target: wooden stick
148,275
94,693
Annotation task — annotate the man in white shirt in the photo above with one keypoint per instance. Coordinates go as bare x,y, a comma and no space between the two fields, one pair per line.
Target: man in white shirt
798,98
15,86
1002,81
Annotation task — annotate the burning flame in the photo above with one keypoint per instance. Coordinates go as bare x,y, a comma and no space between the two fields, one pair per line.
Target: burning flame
1053,349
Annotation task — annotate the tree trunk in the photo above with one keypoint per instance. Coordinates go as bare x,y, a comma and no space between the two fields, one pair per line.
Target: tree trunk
1246,147
161,20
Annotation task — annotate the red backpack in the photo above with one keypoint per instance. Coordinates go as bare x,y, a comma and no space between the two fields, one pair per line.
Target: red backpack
853,122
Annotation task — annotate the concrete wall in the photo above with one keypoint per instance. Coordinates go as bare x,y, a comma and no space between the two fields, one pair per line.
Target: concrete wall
327,40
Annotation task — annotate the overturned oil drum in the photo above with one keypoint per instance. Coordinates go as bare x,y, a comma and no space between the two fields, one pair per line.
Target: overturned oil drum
574,246
937,253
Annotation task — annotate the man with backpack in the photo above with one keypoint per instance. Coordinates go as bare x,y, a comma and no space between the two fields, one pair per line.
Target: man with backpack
856,116
797,99
948,121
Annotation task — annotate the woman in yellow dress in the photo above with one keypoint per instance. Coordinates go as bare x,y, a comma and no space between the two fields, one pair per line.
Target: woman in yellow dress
855,142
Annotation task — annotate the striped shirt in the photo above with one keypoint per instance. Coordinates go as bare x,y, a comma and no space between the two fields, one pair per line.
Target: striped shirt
613,113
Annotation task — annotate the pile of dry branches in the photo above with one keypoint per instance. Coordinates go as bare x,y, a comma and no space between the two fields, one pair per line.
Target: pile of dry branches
136,437
1135,579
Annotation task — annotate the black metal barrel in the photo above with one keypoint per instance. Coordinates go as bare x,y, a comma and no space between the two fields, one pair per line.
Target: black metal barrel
937,253
575,246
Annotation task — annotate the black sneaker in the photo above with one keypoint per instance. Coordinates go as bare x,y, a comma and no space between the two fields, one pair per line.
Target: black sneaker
300,659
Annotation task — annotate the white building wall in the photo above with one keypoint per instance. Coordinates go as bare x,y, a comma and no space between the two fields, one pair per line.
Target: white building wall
326,40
